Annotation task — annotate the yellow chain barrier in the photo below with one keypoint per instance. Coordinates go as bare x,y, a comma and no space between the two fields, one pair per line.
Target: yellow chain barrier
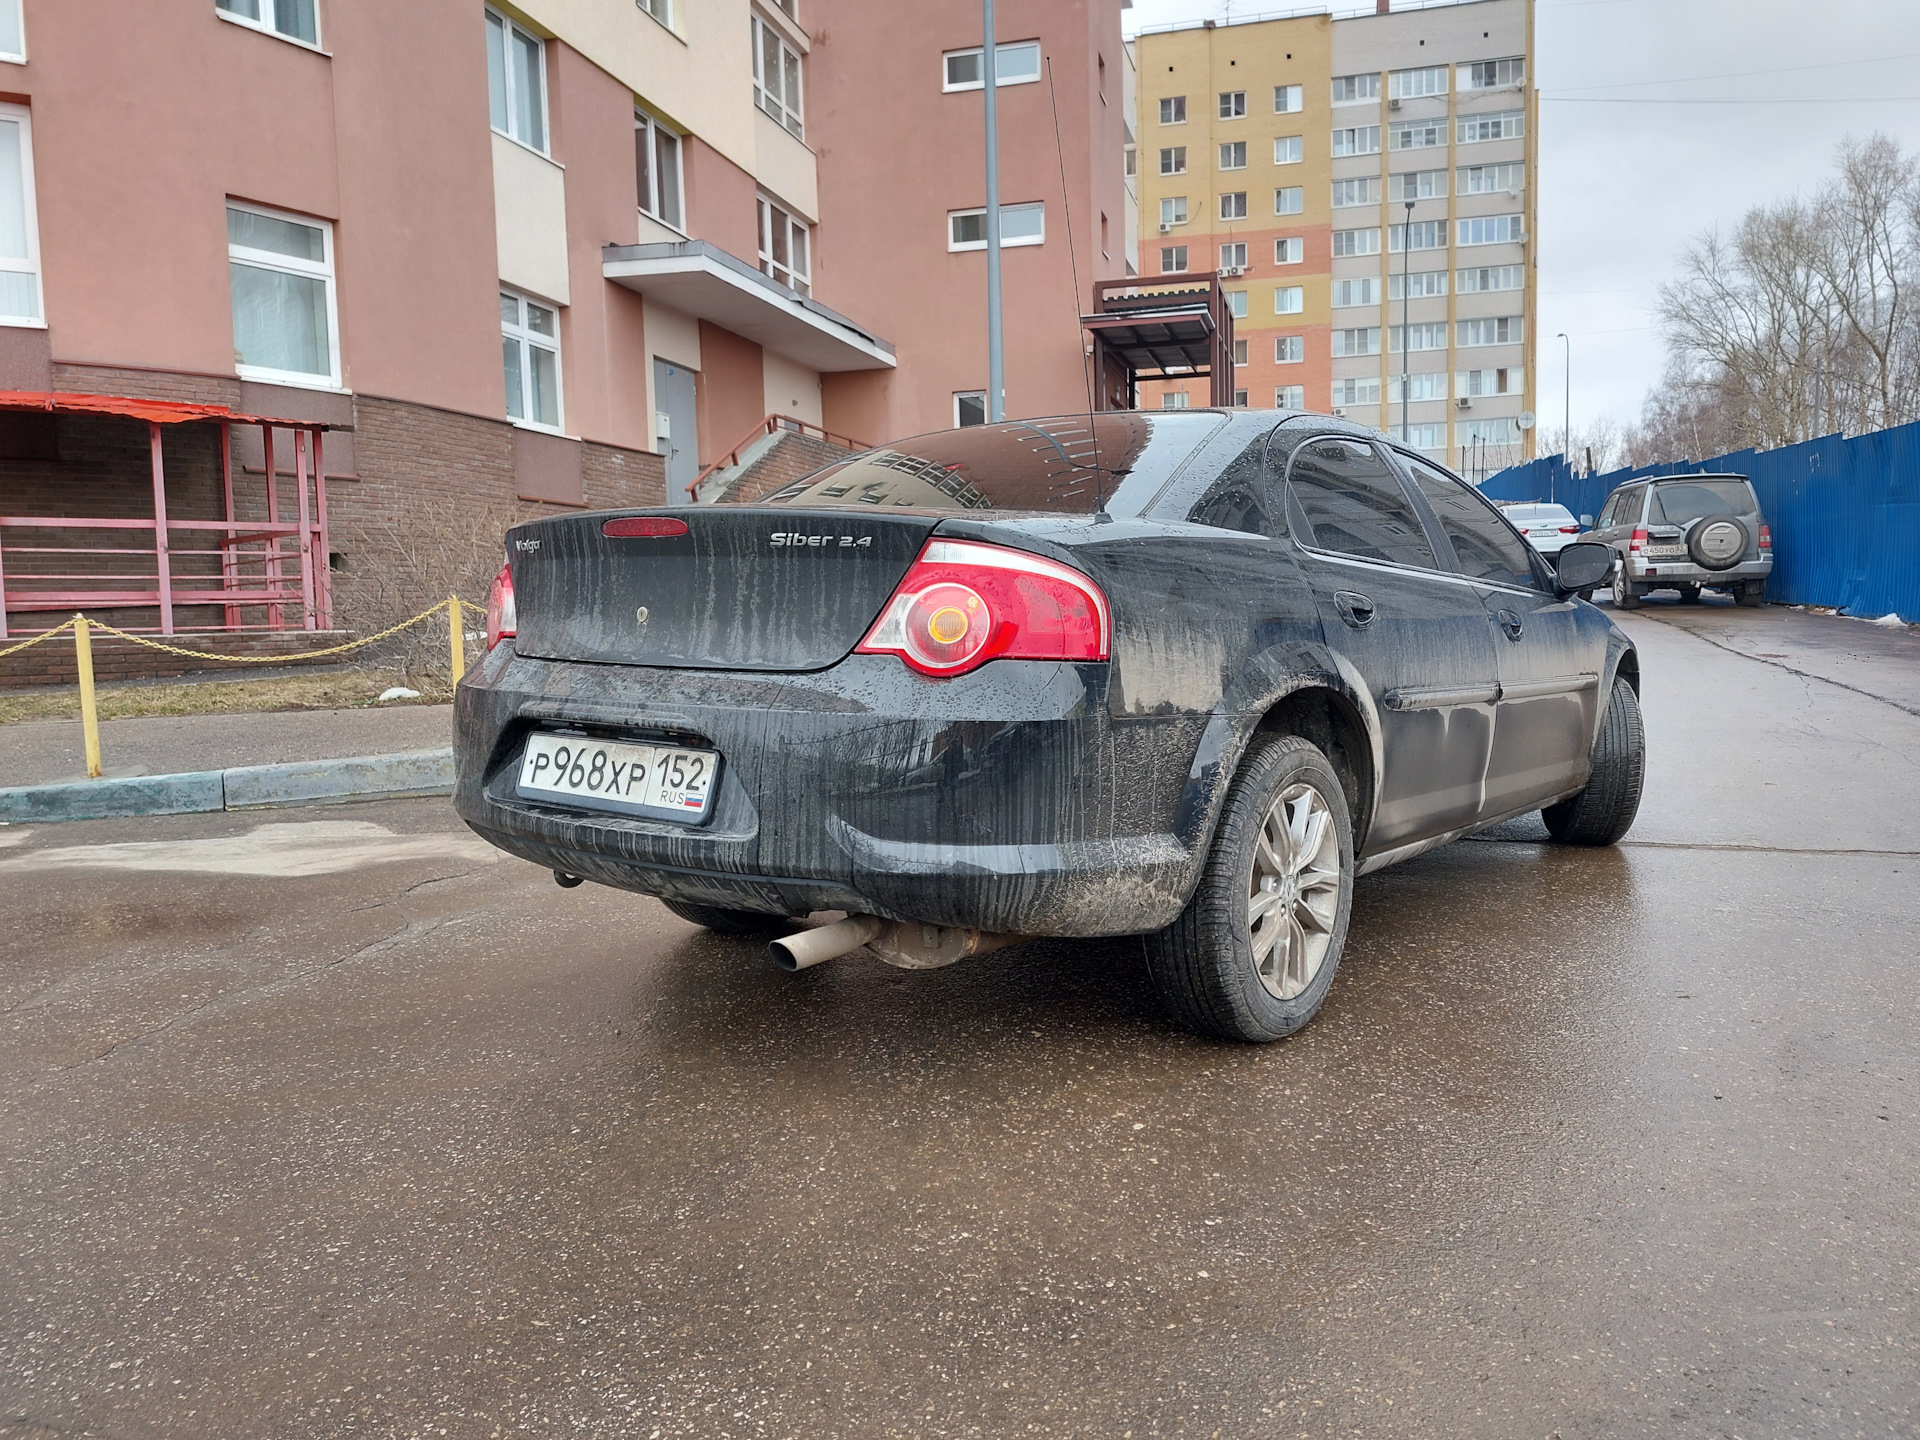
80,625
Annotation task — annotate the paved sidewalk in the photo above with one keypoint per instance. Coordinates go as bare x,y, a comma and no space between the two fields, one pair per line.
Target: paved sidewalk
46,752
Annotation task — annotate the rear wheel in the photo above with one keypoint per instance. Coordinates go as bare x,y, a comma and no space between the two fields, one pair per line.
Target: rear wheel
1254,952
1623,596
729,922
1753,592
1604,811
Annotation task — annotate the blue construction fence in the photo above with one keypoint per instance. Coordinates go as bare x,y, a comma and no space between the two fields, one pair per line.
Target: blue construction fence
1845,513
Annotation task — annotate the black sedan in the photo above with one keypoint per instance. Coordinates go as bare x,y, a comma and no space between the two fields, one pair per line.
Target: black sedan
1182,675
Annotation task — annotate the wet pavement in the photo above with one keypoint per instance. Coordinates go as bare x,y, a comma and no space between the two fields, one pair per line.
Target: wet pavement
330,1123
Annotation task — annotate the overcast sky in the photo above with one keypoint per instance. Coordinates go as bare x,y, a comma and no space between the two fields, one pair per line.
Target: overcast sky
1623,186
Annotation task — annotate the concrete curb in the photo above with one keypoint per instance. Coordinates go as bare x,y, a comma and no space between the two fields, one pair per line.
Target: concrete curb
247,787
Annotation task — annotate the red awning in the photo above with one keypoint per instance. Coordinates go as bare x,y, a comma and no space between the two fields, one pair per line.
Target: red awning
158,412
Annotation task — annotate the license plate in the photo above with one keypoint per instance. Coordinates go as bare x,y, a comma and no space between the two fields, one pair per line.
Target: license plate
670,782
1664,552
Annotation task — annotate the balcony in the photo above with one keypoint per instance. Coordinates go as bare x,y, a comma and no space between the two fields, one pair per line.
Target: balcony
704,281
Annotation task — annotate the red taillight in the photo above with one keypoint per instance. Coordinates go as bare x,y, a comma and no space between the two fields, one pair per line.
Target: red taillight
1766,537
1639,539
964,603
650,527
1569,529
501,620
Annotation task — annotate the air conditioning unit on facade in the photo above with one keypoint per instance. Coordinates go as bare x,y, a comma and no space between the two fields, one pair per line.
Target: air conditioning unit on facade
1166,229
1393,104
1232,271
1463,403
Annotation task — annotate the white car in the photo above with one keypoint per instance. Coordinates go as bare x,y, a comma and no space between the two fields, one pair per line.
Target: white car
1547,527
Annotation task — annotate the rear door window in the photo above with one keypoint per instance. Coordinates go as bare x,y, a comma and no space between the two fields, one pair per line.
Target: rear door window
1682,504
1347,499
1483,543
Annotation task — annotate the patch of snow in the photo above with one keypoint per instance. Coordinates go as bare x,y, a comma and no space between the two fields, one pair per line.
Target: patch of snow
1888,620
398,692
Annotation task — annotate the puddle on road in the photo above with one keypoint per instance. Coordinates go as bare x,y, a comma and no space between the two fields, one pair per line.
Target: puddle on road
313,847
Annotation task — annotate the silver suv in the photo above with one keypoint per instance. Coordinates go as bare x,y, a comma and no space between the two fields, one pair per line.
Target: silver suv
1687,533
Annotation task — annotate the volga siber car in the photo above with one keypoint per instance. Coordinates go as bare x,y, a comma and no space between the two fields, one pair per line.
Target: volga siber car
1179,675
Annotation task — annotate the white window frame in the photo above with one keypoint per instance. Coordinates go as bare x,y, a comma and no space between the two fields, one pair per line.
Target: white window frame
1356,291
1432,335
1289,149
1240,400
1173,210
1515,273
1289,349
1233,155
1233,104
1429,435
1005,244
288,265
1484,331
1290,200
662,10
789,112
1493,381
1289,99
1512,125
1425,384
1233,255
1360,390
23,116
1173,250
1491,430
1240,351
1290,250
1236,303
1511,171
645,124
1360,89
1358,140
528,338
797,278
508,30
960,395
1425,284
1369,339
1366,241
1400,135
1233,205
949,86
1425,185
1418,83
264,25
19,57
1516,66
1289,397
1491,230
1397,236
1289,299
1358,190
1173,159
1173,400
1175,106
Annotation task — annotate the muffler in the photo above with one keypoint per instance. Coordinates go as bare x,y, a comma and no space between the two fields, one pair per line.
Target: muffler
905,944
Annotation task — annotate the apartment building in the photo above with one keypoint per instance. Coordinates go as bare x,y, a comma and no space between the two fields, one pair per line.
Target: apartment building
1365,187
533,252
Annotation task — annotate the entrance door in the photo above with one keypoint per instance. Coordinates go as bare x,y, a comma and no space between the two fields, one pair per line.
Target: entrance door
1419,637
1551,649
675,428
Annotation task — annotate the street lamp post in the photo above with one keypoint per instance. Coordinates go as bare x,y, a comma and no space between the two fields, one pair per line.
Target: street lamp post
1406,338
1566,413
996,364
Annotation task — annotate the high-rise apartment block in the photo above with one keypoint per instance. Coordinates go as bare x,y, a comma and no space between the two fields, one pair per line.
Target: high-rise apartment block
1365,188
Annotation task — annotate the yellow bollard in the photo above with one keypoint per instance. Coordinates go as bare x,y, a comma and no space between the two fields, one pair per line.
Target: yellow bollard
89,715
456,638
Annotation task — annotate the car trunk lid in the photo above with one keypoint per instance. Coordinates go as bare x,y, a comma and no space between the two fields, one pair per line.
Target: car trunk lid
740,588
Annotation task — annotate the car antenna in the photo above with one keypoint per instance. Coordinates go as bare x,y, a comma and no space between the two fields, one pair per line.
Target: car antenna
1073,259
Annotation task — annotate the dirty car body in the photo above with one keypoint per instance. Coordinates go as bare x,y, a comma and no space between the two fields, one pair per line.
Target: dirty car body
1246,591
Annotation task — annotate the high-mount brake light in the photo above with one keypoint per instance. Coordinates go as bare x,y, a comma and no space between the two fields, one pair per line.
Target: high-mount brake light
643,527
502,623
965,602
1639,539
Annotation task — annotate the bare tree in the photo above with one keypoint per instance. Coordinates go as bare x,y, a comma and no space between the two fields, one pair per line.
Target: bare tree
1804,320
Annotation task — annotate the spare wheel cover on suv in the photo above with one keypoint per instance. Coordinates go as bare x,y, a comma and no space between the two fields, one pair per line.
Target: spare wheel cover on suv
1717,542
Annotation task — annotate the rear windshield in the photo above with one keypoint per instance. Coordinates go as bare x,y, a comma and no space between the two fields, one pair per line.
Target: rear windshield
1680,503
1065,465
1521,514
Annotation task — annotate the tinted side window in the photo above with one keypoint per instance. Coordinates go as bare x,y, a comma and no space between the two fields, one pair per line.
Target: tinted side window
1607,513
1239,498
1350,501
1485,544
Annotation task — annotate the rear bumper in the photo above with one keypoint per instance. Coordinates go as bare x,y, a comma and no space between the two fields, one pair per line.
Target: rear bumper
1008,799
1685,572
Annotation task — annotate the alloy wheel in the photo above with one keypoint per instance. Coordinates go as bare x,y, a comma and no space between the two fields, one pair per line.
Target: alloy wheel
1294,894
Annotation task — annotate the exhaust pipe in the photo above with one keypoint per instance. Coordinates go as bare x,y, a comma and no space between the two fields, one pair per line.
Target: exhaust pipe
904,944
824,942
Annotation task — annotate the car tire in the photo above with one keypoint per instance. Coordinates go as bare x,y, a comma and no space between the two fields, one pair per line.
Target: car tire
730,922
1210,966
1751,593
1604,811
1623,596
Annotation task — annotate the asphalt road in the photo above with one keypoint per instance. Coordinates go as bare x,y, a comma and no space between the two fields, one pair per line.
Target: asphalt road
329,1123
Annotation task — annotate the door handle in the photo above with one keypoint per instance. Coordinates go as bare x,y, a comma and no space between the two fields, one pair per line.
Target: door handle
1355,608
1509,622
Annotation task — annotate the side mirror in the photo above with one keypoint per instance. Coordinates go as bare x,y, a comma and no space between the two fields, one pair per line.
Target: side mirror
1583,565
1586,522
